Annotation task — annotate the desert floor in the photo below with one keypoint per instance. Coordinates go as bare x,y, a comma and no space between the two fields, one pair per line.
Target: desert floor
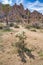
9,54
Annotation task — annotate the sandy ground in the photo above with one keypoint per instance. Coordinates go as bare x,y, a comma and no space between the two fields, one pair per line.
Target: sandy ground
9,55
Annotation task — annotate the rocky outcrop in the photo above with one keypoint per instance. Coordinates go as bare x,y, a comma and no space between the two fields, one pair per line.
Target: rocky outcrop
17,13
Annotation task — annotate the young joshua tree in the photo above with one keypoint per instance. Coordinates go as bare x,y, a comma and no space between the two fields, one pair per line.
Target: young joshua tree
21,43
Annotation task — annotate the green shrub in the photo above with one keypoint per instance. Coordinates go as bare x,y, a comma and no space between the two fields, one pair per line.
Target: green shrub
1,26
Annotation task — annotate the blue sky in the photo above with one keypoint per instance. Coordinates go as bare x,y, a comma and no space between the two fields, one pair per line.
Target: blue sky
30,4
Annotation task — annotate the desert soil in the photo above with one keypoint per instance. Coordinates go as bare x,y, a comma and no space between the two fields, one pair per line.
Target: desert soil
9,55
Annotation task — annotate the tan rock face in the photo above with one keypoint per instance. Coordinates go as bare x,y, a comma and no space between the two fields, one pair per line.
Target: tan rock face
17,12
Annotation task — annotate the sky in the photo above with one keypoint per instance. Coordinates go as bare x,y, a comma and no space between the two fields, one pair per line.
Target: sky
30,4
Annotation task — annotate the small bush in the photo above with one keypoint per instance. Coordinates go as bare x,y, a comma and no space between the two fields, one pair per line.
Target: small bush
34,30
16,26
28,26
11,24
1,26
6,28
36,25
40,53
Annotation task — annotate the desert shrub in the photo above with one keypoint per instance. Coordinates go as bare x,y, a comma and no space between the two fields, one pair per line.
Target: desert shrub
40,53
16,26
11,24
28,26
18,21
1,26
6,28
36,25
34,30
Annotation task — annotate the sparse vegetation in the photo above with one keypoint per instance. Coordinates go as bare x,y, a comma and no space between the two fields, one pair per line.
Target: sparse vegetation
16,26
40,54
7,30
17,46
1,25
20,45
11,24
28,26
34,30
36,25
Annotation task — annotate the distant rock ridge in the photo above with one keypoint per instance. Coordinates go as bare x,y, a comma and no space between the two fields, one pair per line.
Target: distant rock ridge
18,13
